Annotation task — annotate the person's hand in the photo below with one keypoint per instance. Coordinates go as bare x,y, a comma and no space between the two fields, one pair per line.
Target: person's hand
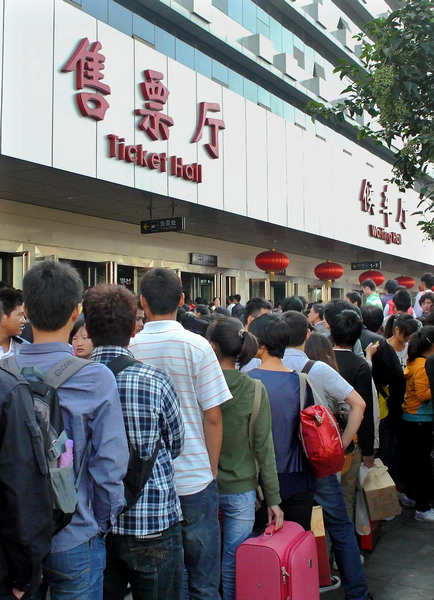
17,593
368,461
275,515
371,349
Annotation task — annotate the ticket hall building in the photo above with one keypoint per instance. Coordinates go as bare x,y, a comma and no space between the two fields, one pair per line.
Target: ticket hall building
145,133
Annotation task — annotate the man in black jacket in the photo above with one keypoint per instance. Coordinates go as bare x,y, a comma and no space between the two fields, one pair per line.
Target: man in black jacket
25,513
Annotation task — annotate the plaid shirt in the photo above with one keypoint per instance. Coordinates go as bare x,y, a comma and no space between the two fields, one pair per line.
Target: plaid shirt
151,409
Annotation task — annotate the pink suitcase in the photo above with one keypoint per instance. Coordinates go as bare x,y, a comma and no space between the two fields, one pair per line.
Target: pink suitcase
278,566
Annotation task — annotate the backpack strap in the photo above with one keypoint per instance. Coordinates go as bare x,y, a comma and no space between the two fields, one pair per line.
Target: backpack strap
120,363
303,380
10,365
307,367
64,369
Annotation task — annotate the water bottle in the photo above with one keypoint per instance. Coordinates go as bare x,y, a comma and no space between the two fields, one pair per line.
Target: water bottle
66,459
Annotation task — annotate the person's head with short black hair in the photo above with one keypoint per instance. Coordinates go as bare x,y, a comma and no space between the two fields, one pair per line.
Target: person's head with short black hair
345,328
391,286
402,300
160,293
140,317
316,313
421,343
372,317
223,312
292,303
401,327
429,319
303,301
255,307
297,327
368,287
319,347
13,320
272,333
52,293
202,311
11,299
236,298
334,307
231,341
426,302
77,326
354,298
427,281
110,314
199,300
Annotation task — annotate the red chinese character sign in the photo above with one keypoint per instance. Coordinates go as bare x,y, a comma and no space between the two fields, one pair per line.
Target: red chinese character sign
88,63
155,123
367,205
214,124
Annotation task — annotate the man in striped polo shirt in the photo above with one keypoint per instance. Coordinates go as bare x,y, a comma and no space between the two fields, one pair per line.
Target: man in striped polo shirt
201,387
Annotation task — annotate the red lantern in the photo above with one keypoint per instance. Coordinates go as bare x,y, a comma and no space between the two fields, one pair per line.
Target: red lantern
407,282
328,271
272,261
376,276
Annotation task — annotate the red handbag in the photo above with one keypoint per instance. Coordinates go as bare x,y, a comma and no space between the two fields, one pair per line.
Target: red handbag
321,440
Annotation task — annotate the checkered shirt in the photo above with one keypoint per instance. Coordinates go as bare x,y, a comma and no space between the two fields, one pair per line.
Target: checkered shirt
151,408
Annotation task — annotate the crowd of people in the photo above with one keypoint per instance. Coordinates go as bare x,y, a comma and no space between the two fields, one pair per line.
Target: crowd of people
174,412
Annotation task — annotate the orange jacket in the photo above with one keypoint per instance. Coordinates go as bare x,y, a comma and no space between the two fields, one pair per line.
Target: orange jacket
417,405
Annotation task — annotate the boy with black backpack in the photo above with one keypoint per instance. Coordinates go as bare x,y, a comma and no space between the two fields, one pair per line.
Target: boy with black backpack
85,451
145,546
25,516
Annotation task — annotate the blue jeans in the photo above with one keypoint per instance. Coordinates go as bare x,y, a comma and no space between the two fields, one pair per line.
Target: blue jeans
76,574
328,493
201,542
238,517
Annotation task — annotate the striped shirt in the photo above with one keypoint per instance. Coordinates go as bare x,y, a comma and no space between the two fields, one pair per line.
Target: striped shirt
192,365
151,410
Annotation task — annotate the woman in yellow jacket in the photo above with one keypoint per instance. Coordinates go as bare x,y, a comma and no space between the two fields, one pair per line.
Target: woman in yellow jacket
417,421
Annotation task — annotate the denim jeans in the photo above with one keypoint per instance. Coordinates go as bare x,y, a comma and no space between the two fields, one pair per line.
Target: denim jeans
238,517
75,574
328,493
201,542
153,566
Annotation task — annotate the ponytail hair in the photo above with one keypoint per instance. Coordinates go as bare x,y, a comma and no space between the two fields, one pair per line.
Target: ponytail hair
232,341
420,342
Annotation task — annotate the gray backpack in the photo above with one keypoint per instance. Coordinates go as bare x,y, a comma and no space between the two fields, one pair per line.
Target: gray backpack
64,485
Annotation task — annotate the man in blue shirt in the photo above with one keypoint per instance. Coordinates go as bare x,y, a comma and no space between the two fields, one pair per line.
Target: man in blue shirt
93,420
145,547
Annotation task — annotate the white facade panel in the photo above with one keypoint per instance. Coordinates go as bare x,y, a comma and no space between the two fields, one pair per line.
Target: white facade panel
148,179
74,136
276,176
234,174
119,119
256,160
27,80
182,106
268,168
211,190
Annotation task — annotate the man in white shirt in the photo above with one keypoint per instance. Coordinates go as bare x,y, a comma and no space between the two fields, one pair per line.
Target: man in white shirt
426,285
12,322
201,387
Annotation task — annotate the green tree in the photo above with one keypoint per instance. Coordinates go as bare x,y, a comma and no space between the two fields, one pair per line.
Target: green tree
395,87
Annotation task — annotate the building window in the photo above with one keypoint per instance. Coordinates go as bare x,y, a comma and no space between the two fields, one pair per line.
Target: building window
120,17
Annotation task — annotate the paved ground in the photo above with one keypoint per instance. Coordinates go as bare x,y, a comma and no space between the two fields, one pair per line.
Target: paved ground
401,567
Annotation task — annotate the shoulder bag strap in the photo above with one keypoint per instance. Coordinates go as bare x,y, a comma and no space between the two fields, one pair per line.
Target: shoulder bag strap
253,417
303,380
307,367
120,363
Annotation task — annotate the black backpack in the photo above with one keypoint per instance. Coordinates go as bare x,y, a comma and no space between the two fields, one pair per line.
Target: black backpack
64,485
139,469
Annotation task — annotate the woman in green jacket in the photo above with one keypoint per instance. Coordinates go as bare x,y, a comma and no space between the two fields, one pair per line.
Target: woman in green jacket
237,476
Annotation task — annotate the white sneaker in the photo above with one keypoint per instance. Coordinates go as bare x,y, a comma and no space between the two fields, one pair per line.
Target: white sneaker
426,515
405,501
